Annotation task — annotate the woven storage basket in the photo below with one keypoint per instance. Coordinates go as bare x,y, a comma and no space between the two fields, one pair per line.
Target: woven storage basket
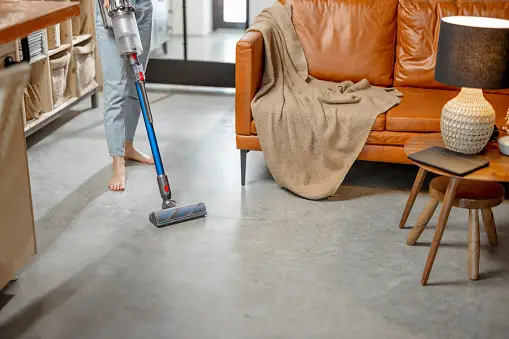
59,69
53,33
85,67
32,99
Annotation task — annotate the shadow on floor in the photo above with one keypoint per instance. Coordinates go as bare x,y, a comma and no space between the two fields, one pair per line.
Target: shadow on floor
26,318
71,206
487,275
5,298
47,130
498,253
381,175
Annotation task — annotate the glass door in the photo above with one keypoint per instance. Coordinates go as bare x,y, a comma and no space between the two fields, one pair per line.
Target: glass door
229,14
197,46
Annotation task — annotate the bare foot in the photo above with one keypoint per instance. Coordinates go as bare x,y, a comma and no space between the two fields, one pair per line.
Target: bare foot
131,153
117,182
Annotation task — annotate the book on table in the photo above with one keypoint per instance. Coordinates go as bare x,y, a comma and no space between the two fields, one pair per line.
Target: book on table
450,161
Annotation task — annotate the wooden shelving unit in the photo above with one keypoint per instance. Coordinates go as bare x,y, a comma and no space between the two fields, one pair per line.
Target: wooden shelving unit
80,38
78,31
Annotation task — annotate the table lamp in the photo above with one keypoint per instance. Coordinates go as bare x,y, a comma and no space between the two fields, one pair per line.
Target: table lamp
473,53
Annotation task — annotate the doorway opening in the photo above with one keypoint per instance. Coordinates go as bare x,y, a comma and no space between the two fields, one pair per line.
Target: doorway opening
229,14
199,46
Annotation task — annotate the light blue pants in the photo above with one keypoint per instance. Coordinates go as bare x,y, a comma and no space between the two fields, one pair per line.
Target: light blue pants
121,105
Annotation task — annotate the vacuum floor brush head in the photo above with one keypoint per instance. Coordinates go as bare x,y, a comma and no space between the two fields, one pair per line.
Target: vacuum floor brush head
177,214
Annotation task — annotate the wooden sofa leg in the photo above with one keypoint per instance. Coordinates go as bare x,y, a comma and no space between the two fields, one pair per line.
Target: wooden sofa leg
243,158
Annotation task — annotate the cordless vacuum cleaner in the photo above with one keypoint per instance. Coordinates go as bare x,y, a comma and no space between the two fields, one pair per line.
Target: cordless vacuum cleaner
127,37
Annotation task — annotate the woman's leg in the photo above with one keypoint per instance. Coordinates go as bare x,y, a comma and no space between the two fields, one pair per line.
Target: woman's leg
132,105
115,85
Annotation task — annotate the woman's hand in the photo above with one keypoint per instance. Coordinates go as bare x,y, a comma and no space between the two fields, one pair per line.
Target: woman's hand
106,4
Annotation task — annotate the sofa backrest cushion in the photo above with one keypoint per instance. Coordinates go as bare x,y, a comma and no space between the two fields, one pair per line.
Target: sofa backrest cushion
418,31
347,39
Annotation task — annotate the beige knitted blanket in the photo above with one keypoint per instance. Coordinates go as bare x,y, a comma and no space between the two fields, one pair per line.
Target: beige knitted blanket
311,131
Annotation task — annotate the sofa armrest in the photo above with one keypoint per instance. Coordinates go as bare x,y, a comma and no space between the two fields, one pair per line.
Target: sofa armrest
248,78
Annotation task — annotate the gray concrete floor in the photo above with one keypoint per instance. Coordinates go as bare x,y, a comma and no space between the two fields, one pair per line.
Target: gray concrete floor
263,264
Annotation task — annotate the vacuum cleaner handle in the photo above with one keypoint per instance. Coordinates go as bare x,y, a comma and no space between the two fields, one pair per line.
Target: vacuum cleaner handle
104,16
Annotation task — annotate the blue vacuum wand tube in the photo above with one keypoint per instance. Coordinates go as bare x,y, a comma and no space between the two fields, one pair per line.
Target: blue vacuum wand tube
162,179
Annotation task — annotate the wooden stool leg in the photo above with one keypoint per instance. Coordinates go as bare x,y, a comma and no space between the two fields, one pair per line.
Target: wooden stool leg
489,225
473,244
419,179
439,232
422,222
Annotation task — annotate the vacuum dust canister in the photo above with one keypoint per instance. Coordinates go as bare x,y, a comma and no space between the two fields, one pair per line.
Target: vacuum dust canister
125,27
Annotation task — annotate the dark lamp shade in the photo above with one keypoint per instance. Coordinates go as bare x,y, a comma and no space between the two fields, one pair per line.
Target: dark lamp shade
473,52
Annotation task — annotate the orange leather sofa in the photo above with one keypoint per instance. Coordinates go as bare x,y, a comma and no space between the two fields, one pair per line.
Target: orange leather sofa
391,43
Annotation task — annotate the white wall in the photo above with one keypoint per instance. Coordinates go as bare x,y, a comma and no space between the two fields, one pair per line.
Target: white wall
199,17
256,6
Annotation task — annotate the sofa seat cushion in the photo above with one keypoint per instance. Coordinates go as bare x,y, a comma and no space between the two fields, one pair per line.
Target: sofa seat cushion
420,109
390,138
347,39
379,124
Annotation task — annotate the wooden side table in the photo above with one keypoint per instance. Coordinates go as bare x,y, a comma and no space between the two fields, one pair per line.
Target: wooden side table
475,196
446,191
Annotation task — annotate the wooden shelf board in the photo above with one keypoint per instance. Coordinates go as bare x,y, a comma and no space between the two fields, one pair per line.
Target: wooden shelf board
31,124
45,118
39,58
20,18
60,48
80,38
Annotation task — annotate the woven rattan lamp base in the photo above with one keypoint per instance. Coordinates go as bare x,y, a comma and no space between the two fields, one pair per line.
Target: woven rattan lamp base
467,122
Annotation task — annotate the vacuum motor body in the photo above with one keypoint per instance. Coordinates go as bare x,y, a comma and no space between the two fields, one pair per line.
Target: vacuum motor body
125,28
